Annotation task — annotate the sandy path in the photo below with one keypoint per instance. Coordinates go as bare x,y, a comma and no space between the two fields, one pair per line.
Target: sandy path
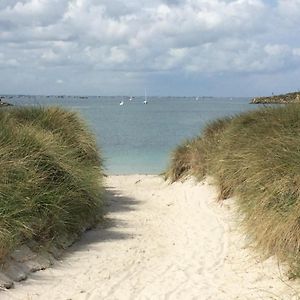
160,242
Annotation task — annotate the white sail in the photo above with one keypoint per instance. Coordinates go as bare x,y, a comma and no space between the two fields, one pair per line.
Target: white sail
145,101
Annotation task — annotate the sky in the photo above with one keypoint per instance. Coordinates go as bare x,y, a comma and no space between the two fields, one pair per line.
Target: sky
169,47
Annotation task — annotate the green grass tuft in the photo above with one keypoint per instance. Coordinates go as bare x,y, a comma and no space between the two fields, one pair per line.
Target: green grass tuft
50,176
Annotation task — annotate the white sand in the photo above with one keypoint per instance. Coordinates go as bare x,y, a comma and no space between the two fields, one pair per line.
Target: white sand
160,242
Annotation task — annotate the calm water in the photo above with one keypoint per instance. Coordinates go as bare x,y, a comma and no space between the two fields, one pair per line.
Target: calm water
138,138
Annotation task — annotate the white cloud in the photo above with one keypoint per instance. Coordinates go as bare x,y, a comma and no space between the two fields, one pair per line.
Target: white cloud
277,50
33,12
197,36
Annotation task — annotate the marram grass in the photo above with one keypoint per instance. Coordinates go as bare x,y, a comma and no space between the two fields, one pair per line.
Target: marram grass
50,176
254,156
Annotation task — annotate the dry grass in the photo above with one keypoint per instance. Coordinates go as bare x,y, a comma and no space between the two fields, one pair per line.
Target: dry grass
254,156
50,176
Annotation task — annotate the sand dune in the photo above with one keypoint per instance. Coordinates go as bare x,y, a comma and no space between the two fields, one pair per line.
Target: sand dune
160,241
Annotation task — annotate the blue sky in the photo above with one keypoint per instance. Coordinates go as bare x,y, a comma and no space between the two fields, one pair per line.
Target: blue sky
170,47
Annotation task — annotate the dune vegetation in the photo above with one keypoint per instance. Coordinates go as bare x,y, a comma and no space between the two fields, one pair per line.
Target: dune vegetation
50,177
254,156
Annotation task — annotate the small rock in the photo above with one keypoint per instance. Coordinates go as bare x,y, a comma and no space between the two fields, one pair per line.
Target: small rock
14,271
44,261
33,266
56,252
5,282
23,254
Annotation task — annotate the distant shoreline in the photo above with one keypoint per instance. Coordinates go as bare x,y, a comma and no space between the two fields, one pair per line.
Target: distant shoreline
278,99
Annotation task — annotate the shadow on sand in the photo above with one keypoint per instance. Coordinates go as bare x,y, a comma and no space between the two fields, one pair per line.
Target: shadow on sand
115,203
108,229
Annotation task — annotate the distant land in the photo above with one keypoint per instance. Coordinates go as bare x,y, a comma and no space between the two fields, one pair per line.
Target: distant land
2,103
280,99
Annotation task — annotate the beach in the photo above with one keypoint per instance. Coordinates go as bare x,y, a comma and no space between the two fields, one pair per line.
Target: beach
161,241
149,150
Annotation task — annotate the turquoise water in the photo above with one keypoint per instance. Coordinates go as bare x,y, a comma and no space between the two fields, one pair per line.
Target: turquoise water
138,138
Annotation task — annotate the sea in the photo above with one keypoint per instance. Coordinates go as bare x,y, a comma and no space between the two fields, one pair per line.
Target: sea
138,138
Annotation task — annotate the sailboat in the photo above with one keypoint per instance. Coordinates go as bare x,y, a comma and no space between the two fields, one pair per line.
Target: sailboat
121,102
145,101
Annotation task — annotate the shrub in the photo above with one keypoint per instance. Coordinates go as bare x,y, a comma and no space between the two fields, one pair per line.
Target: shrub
50,180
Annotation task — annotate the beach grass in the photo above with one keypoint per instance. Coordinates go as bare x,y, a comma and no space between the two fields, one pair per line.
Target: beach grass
254,156
50,177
